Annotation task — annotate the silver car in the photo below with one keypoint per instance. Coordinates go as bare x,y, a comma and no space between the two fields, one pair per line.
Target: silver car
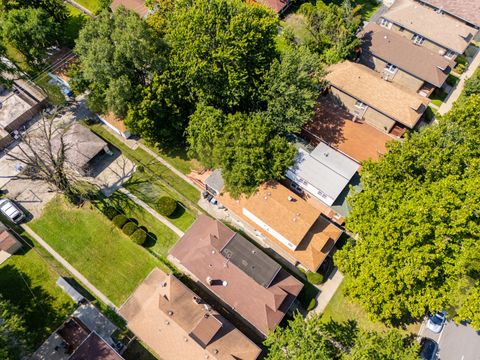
11,211
436,321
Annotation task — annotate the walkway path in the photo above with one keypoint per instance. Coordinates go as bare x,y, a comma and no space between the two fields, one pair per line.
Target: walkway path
455,94
80,7
153,212
69,267
327,290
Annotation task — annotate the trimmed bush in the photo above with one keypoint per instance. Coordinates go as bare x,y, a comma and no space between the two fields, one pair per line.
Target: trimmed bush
166,205
139,236
129,228
315,278
311,305
110,212
120,220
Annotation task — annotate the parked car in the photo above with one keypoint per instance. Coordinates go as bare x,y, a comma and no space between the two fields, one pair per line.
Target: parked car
436,321
11,211
428,349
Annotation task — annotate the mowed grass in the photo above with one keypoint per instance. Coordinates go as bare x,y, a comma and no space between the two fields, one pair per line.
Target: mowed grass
92,5
75,22
160,237
342,309
28,281
95,247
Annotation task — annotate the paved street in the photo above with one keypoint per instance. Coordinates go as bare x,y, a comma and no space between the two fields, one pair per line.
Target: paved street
455,342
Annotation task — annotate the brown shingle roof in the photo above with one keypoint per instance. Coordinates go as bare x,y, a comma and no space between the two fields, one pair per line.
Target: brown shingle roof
403,53
312,234
263,307
175,323
468,10
135,5
95,348
276,5
8,242
423,20
367,86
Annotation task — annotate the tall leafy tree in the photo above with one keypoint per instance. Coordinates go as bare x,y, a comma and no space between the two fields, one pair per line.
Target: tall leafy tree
292,87
117,54
332,29
158,20
221,49
418,224
55,8
31,31
13,342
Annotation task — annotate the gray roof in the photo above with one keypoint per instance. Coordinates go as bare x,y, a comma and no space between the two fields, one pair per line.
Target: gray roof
251,260
95,321
325,168
215,181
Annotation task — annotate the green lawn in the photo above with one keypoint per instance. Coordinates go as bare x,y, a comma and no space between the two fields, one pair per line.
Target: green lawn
95,247
160,239
161,175
340,308
438,96
75,22
92,5
178,158
29,282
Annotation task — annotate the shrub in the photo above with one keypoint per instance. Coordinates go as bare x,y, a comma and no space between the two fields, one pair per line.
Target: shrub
461,59
120,220
452,80
166,205
315,278
459,69
311,305
129,228
141,168
110,212
139,236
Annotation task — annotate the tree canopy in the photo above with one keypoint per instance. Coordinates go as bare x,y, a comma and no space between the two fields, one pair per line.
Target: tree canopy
13,344
418,224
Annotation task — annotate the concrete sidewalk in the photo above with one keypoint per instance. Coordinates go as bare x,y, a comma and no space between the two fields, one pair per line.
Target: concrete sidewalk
327,290
69,267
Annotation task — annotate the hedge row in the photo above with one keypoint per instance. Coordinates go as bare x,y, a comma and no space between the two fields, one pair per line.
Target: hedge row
128,226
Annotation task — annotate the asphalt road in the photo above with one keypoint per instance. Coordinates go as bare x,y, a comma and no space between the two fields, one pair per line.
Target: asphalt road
455,342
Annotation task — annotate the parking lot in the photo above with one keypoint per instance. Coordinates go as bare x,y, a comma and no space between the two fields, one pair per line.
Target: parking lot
455,342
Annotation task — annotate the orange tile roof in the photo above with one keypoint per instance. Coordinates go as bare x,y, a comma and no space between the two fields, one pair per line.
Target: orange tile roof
175,323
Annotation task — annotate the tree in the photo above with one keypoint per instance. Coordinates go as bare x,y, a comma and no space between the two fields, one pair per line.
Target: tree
221,49
31,31
55,8
472,84
117,54
332,29
418,224
158,20
7,70
13,344
291,89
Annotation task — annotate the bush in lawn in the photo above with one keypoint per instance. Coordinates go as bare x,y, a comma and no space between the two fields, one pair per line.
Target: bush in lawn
315,278
166,205
110,212
139,236
129,228
120,220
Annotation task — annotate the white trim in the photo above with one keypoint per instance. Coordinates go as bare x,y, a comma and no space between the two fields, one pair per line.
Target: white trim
361,105
418,39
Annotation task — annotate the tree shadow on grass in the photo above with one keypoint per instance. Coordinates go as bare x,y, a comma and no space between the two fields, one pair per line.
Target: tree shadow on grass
179,211
151,238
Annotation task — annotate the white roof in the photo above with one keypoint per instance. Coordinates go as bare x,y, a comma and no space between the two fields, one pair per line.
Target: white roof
325,168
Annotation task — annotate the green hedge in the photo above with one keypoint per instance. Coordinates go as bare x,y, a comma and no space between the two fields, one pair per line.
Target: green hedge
120,220
166,205
315,278
110,212
129,228
139,236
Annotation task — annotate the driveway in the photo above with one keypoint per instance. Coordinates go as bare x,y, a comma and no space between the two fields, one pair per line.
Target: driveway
455,342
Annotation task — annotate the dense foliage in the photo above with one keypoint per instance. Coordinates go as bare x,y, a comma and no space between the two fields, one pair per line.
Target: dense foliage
417,218
13,344
166,205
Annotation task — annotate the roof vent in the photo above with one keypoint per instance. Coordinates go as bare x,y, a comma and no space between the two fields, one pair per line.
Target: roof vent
207,307
196,300
290,198
206,316
215,351
185,339
164,284
170,313
167,322
224,283
209,280
294,219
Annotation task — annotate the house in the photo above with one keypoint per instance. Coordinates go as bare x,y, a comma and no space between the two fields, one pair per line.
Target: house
243,277
381,104
81,145
426,27
279,6
86,334
399,60
17,106
137,6
9,244
465,10
324,172
287,223
177,324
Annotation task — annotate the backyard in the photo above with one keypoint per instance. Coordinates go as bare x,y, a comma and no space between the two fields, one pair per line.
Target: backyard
92,5
95,247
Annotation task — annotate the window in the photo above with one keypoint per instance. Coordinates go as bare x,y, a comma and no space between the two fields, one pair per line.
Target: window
417,39
390,68
450,54
360,105
385,23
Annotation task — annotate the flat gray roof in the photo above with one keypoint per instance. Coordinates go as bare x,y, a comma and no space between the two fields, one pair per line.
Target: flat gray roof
215,181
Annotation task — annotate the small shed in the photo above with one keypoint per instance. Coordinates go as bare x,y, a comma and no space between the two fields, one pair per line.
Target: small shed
9,244
214,183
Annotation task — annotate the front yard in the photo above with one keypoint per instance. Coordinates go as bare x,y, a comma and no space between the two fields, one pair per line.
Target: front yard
95,247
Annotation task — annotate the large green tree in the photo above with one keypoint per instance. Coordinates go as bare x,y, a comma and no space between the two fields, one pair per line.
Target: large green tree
118,54
13,344
221,49
55,8
332,29
31,31
418,223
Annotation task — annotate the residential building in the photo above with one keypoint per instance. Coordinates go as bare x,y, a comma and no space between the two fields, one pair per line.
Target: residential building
137,6
399,60
465,10
287,223
177,324
9,244
426,27
381,104
243,277
324,172
279,6
87,334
